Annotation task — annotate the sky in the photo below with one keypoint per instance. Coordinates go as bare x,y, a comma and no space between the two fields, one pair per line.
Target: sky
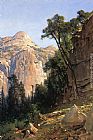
31,16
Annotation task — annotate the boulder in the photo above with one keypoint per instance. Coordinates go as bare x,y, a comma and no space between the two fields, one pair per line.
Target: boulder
74,118
32,128
0,137
27,133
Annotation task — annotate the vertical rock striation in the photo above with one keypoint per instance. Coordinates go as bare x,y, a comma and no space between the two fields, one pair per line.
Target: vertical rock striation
80,57
19,55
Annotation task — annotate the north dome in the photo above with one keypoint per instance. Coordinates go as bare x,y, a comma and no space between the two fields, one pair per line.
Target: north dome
21,34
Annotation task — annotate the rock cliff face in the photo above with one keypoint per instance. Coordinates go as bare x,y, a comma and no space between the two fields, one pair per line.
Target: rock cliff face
82,57
19,55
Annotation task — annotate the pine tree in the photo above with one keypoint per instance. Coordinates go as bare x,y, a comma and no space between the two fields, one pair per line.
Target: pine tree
13,95
16,97
2,105
22,92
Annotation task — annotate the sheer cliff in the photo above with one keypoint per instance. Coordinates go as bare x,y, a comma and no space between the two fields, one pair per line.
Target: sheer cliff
19,55
82,58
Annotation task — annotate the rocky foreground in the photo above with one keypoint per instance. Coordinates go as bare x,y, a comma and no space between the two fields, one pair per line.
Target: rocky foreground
68,124
71,121
75,123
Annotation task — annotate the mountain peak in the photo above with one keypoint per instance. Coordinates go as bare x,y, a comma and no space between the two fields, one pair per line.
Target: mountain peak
22,35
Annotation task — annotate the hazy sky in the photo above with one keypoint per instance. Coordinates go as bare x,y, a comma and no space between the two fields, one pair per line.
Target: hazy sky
31,15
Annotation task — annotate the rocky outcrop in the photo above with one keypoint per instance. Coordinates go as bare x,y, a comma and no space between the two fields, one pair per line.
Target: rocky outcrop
74,118
32,128
82,57
19,55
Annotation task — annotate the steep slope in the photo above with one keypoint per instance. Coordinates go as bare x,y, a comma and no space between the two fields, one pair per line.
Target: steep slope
19,55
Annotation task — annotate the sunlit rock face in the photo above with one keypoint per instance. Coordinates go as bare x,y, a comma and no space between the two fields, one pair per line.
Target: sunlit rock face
19,55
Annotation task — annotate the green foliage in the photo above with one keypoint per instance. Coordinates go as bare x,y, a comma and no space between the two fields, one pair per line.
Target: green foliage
57,78
57,72
40,98
19,124
55,26
47,95
6,127
34,114
16,97
59,30
22,92
18,105
77,23
3,108
62,32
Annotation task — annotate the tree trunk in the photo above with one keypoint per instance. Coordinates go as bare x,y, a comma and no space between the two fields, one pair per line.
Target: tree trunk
75,88
68,63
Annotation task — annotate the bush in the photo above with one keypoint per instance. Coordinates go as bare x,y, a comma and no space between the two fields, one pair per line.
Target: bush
40,98
20,124
5,128
34,114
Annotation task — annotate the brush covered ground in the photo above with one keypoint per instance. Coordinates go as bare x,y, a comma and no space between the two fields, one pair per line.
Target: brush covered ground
50,126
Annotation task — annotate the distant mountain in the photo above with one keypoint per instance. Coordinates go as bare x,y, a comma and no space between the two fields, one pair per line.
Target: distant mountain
19,55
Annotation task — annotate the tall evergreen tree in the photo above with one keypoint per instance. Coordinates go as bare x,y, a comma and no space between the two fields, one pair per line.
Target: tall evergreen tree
57,78
16,96
2,105
22,92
